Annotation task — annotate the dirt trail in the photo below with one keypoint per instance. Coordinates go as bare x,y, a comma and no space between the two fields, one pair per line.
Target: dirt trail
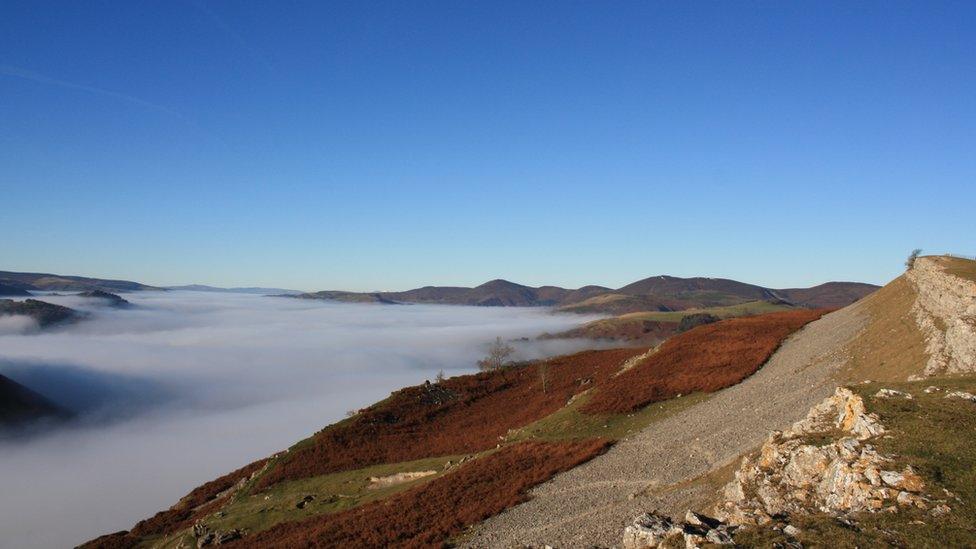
654,469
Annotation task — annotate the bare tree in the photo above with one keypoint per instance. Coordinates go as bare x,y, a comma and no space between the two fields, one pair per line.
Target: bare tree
498,355
544,375
440,377
910,262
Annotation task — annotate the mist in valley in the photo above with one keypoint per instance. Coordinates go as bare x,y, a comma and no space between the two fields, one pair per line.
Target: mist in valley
183,387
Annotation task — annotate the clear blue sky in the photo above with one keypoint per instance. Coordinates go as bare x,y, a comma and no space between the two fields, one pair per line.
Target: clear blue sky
365,145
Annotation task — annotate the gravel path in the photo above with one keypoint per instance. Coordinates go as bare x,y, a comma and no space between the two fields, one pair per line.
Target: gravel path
590,505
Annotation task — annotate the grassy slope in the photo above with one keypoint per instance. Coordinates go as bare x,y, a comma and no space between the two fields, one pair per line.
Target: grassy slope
571,423
259,511
933,434
963,268
891,346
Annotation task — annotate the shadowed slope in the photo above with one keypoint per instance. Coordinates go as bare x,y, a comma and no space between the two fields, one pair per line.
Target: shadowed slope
19,405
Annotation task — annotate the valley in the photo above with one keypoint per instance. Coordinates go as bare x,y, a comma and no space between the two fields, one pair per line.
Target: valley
636,429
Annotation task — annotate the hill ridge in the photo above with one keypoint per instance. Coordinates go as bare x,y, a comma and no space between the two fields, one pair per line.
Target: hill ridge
660,292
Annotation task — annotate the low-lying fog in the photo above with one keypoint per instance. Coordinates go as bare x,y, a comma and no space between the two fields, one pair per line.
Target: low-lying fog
184,387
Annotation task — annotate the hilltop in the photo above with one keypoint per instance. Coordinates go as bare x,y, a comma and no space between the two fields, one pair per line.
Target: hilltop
42,312
111,299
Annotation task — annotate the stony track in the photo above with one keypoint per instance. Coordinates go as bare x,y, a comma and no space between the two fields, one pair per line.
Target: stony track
656,469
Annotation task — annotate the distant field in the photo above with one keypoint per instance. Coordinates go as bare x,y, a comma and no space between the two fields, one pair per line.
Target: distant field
728,311
652,327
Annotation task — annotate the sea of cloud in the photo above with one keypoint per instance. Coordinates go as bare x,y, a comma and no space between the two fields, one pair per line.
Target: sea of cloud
185,386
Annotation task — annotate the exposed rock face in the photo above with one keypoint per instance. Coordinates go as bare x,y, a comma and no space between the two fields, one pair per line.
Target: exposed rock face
845,474
945,311
843,410
205,536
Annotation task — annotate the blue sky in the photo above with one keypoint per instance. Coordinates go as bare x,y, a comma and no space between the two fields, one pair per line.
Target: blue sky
375,145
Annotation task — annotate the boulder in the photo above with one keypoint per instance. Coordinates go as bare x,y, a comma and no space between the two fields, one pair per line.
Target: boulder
961,394
891,393
654,530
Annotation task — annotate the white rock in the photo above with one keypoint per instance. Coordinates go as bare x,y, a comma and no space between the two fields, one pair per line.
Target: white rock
891,393
961,394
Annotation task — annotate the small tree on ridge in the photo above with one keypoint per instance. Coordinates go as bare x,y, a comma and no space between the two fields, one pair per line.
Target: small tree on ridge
910,262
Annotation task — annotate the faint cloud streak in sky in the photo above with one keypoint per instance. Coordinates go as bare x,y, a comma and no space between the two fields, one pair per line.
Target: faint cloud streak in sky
18,72
25,74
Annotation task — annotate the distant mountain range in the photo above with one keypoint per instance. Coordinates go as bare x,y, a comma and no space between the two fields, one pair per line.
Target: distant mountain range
45,282
657,293
244,290
16,284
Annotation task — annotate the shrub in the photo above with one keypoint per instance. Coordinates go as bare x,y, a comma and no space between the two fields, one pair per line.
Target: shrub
910,262
694,320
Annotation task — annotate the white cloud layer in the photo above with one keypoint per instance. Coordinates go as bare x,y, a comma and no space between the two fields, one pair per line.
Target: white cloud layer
184,387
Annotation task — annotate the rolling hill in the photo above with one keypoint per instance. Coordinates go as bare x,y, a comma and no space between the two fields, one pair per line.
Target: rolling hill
44,313
658,293
63,283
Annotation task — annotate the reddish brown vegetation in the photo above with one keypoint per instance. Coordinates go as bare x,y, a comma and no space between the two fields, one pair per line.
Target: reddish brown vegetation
707,358
426,516
197,503
459,415
118,540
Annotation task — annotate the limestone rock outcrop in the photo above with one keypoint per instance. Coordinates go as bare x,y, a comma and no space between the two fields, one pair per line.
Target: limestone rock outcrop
945,311
824,463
